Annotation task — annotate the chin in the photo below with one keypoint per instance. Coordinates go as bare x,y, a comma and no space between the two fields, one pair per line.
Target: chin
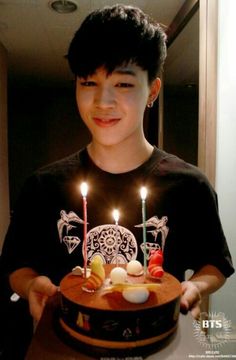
108,141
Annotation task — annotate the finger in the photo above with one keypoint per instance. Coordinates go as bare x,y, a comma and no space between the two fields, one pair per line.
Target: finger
40,289
44,286
190,296
184,306
196,311
36,305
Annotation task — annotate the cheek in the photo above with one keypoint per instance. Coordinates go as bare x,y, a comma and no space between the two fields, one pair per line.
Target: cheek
137,105
82,103
138,99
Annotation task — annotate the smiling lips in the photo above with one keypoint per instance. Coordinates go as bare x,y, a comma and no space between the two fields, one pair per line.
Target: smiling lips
105,122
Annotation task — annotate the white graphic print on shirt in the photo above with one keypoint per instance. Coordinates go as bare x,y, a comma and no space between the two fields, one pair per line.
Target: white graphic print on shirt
113,244
65,223
159,226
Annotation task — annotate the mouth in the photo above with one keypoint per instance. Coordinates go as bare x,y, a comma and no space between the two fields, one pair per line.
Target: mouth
105,122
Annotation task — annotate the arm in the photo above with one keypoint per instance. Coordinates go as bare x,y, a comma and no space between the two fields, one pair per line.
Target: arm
33,287
204,282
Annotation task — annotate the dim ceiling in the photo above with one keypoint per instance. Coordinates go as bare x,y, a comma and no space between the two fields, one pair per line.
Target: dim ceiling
36,39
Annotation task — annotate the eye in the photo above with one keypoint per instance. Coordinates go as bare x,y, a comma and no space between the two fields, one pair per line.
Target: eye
124,85
87,83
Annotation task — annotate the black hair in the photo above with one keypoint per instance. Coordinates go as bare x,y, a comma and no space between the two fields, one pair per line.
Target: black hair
116,35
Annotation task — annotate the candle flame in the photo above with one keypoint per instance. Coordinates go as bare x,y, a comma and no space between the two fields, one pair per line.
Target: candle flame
116,215
84,189
143,193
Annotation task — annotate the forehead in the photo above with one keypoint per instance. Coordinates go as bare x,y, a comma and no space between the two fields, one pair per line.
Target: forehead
126,69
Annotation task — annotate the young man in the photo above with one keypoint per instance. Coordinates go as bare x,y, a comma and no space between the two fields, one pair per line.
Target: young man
116,56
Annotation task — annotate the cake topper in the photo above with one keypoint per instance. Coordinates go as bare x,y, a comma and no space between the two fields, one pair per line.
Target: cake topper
95,280
155,264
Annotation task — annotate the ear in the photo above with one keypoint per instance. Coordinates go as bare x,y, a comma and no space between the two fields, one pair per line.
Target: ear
154,91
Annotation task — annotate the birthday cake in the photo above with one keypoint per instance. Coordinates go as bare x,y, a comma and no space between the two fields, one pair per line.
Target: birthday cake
119,307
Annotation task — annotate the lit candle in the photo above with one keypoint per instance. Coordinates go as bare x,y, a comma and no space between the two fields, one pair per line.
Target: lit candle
116,216
143,194
84,191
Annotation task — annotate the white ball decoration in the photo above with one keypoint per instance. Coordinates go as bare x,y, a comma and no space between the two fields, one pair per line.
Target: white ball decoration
136,295
118,275
134,267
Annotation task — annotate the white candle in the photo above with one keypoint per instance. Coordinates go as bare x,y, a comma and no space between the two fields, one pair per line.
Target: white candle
143,194
116,216
84,191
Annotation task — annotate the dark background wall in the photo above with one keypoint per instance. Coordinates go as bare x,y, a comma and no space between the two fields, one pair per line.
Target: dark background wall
181,122
43,127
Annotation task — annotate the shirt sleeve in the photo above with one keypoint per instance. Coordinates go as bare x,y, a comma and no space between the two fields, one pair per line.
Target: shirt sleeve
23,235
210,243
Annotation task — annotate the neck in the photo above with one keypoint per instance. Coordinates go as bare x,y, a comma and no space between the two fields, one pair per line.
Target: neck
116,159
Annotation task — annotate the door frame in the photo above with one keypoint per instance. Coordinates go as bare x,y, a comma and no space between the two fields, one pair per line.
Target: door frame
208,28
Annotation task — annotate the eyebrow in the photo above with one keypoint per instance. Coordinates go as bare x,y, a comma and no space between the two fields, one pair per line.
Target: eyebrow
125,72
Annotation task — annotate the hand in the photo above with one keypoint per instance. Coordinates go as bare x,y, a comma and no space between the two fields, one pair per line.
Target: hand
191,299
39,290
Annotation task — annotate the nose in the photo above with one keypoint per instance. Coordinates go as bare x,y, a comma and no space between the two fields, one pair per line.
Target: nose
104,97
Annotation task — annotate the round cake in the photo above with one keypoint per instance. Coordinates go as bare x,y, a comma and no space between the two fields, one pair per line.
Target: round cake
106,319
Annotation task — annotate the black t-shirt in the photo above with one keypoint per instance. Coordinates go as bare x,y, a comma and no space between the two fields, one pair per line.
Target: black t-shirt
46,230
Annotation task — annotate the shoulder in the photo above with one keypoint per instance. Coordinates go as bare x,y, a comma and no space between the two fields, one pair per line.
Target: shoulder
173,168
54,174
55,178
65,167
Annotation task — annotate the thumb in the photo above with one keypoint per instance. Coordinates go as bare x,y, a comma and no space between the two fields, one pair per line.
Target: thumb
44,286
190,296
40,290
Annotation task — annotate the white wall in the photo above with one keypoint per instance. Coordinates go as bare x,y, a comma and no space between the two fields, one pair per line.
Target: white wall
226,146
4,188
